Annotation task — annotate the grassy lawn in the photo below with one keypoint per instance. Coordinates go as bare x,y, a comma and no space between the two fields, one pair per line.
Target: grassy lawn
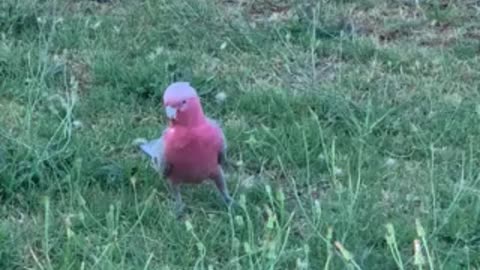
353,130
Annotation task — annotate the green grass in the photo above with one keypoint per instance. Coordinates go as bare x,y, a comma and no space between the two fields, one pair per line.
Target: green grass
352,126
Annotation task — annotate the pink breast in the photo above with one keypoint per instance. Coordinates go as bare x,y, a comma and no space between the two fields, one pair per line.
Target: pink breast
193,160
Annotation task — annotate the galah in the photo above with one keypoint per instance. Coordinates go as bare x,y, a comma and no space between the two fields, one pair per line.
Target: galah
192,148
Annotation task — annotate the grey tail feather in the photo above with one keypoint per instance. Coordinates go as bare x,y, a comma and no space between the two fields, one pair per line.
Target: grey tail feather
141,146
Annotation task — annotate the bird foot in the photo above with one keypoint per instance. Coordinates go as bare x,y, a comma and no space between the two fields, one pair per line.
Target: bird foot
179,209
230,202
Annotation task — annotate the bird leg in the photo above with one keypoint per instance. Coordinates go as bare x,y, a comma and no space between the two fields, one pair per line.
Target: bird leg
222,188
179,205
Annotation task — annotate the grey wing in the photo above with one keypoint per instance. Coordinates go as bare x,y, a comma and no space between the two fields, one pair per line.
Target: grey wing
222,155
154,149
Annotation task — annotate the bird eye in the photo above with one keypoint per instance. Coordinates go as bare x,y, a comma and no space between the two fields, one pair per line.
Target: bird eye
183,102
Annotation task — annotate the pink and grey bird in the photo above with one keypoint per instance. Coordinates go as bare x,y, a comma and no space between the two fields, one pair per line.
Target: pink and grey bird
192,148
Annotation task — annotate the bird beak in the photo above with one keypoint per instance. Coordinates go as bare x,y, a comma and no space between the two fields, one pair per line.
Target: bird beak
171,112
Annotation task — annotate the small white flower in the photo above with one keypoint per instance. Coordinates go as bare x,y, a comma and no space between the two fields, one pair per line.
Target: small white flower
59,20
223,46
77,124
248,182
302,264
239,220
41,20
268,189
337,171
288,36
151,56
455,99
159,50
96,25
189,225
220,97
318,208
413,127
390,162
239,163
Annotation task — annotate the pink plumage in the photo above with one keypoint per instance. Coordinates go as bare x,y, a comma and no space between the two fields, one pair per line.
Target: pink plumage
192,148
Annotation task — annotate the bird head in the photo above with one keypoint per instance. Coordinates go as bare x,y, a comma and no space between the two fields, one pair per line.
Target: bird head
182,104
